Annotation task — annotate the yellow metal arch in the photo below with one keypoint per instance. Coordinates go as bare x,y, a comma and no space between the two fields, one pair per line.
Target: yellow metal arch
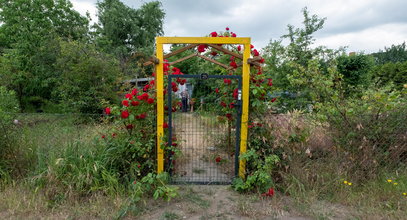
160,41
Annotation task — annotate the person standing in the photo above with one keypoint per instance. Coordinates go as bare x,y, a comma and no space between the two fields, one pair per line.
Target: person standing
185,98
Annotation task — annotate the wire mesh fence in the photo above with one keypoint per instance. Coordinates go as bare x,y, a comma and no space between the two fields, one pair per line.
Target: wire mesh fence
362,146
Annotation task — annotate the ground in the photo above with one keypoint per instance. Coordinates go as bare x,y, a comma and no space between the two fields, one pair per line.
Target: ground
194,202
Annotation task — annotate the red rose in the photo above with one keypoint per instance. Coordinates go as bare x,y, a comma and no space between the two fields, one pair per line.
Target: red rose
270,82
214,53
229,116
227,28
125,114
107,110
143,115
239,48
152,82
235,93
255,53
270,192
174,144
233,64
217,90
114,135
274,99
251,46
214,34
223,104
134,92
150,101
165,125
125,103
218,159
129,126
227,81
233,34
146,87
103,136
174,89
232,105
201,48
135,103
129,96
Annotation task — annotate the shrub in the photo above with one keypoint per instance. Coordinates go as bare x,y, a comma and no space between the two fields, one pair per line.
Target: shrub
9,153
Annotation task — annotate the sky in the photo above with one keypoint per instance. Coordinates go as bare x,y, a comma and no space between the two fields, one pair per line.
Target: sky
360,25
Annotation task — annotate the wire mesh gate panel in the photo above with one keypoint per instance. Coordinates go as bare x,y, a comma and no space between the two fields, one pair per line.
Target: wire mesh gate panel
204,129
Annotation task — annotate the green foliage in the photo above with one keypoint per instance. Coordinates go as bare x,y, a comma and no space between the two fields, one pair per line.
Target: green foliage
122,30
8,108
285,61
393,54
87,77
394,74
355,70
29,29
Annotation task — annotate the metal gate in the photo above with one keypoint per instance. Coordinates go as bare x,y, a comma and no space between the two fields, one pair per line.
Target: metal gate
205,130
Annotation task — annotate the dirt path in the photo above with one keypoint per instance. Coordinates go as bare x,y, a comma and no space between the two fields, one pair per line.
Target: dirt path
199,162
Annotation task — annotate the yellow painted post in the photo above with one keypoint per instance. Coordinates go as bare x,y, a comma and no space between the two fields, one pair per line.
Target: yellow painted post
245,107
160,105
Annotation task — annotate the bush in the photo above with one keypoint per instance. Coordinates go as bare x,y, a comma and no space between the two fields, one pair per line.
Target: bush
88,77
9,153
391,73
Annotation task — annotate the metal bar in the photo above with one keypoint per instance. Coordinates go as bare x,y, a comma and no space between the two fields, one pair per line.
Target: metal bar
169,94
238,124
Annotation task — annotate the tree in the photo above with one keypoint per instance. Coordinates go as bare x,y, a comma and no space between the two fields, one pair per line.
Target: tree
88,78
355,70
390,73
285,61
122,30
28,32
394,54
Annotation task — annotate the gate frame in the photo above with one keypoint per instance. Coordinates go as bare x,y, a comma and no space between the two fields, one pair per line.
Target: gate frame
160,41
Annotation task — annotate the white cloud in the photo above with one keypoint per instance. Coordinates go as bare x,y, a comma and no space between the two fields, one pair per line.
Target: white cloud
366,25
368,40
83,7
